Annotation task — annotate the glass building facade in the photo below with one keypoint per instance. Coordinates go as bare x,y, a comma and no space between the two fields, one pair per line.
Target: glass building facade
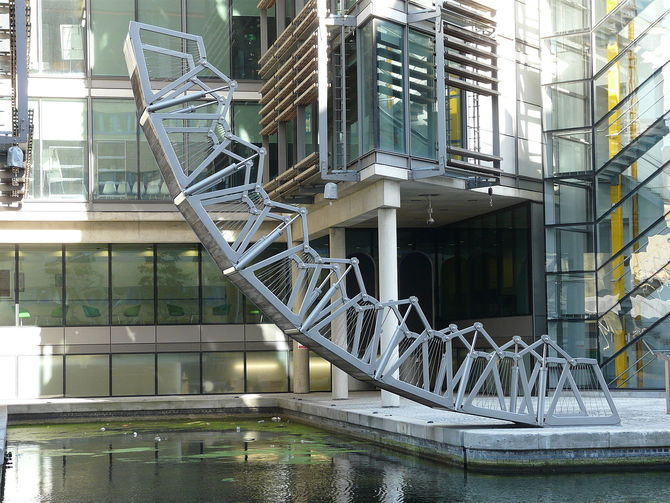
606,195
111,305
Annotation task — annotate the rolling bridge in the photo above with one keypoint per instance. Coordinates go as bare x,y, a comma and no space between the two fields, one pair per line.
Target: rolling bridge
215,179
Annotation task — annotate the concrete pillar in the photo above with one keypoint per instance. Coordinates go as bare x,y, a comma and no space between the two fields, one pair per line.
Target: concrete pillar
388,283
300,361
300,364
338,328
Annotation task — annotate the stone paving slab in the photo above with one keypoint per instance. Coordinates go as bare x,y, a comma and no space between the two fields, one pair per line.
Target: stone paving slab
643,437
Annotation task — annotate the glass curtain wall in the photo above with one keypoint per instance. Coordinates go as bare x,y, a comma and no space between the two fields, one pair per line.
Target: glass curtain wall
230,28
124,167
222,302
115,156
60,170
58,37
41,285
87,285
132,282
109,27
422,95
606,197
170,373
390,75
118,284
569,181
178,280
396,91
7,285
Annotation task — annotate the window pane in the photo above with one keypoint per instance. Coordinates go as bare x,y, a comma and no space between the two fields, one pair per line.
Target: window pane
87,375
40,376
132,284
245,122
150,184
245,39
41,285
133,375
351,79
390,75
178,373
367,114
87,285
319,373
60,40
211,20
7,285
60,146
178,284
164,13
223,372
109,27
267,371
115,149
422,95
222,302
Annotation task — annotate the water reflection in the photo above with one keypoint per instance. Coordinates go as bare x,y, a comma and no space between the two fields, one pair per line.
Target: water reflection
200,461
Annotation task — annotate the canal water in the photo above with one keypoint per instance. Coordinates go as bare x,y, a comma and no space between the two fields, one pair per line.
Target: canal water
268,461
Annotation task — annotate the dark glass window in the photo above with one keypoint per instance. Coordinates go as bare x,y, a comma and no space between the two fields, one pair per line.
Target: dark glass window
178,284
132,284
245,46
211,20
41,285
222,302
87,285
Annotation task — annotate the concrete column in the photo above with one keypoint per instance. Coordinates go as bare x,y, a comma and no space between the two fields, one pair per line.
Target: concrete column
300,361
338,328
388,283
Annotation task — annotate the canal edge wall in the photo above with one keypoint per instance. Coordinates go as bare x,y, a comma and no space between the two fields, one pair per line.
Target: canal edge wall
481,446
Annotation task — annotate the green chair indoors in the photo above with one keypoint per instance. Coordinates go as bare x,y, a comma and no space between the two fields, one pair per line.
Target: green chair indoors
90,311
174,310
132,311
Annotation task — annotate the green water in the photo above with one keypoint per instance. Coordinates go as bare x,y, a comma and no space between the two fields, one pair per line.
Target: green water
269,462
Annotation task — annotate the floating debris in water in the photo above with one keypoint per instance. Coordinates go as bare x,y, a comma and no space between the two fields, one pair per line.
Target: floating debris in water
276,419
157,438
237,429
103,429
260,421
134,434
